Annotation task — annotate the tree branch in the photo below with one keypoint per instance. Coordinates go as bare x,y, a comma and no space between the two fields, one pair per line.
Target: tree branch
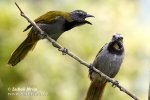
149,91
68,52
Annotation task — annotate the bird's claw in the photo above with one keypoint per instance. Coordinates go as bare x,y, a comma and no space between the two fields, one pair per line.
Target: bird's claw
90,71
43,35
115,84
90,68
64,51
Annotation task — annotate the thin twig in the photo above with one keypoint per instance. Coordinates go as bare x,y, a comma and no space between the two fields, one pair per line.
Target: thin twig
68,52
149,91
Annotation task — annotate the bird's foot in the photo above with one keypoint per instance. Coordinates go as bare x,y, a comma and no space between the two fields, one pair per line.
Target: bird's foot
90,71
64,51
43,35
115,84
90,68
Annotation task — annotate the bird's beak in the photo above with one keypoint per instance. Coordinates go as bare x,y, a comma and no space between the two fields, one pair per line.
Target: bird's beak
120,39
88,22
88,15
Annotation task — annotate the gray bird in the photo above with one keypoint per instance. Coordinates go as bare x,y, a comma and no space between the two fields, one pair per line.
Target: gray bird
108,61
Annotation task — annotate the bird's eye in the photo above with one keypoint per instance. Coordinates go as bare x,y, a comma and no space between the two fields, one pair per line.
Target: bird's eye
113,36
80,15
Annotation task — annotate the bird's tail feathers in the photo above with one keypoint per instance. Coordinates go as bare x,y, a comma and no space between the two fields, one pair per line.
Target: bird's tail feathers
27,45
95,91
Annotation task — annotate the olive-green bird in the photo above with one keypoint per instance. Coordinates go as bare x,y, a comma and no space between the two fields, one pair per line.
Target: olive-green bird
53,23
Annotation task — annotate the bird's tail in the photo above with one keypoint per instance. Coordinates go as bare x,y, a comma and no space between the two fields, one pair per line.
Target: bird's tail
27,45
95,91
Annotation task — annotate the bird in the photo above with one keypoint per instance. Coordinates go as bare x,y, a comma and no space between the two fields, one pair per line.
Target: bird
53,23
108,60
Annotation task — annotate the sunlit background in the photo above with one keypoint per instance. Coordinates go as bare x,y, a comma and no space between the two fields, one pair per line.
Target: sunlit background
61,77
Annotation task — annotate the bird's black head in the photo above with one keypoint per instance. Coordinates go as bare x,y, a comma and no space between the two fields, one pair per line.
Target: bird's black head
116,44
80,16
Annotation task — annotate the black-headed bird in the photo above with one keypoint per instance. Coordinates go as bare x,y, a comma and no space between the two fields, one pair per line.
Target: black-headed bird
53,23
108,61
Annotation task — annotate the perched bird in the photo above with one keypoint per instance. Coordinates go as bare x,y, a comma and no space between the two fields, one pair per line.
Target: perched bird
108,61
53,23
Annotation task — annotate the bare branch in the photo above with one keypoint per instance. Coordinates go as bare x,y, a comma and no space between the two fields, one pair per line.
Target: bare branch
149,91
30,21
68,52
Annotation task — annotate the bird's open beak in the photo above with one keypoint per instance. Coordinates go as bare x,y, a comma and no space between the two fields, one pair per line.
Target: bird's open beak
88,22
88,15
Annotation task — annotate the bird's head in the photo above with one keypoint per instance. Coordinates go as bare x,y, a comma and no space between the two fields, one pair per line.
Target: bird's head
117,37
80,16
117,40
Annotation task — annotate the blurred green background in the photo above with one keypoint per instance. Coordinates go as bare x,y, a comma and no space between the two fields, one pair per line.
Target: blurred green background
61,77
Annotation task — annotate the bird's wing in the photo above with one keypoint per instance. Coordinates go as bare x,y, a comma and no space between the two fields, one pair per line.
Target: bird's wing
95,61
51,17
101,49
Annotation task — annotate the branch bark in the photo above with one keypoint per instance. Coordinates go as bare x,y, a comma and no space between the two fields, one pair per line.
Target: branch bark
149,92
71,54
